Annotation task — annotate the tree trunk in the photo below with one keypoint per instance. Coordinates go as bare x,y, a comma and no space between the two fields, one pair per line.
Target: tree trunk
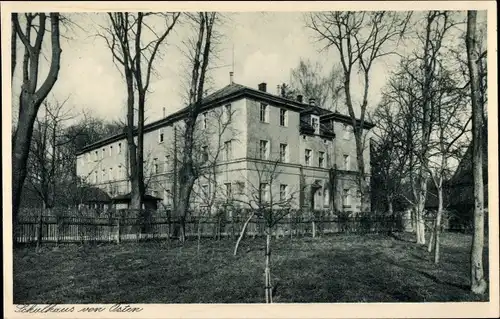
431,238
478,282
118,230
20,152
199,234
13,49
390,211
422,195
39,233
242,233
29,103
313,228
437,227
267,272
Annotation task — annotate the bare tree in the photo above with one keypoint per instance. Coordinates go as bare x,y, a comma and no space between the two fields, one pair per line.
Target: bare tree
47,167
450,122
32,95
360,38
308,79
135,42
200,57
419,91
267,201
478,282
389,161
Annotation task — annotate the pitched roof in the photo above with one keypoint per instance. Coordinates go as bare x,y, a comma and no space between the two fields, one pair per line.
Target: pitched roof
227,94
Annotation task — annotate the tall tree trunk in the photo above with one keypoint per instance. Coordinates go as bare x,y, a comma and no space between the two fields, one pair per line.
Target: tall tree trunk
478,282
20,152
13,49
30,101
390,211
186,176
431,237
267,271
140,150
420,221
437,228
39,234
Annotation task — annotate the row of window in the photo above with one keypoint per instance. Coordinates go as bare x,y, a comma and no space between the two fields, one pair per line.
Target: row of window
264,115
109,175
284,154
102,154
264,194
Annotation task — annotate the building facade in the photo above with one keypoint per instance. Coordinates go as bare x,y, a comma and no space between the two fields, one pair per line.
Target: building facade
250,146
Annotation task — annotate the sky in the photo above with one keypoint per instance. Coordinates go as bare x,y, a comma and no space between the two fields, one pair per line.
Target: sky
267,45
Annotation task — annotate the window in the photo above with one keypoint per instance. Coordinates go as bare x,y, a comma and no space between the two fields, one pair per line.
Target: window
119,150
321,159
161,136
204,192
308,155
264,192
95,177
120,172
227,113
283,153
103,152
283,192
167,197
111,150
228,150
264,113
347,161
346,198
326,197
155,166
110,177
264,149
229,193
96,155
204,119
315,123
103,175
347,131
165,164
204,153
283,117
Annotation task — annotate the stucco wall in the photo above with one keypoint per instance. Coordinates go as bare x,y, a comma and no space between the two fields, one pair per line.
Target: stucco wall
245,130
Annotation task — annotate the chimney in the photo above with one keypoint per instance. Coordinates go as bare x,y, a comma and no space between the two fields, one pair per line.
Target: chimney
163,111
278,89
231,77
312,101
300,98
263,87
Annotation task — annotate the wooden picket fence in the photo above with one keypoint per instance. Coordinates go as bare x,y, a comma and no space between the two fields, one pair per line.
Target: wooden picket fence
66,229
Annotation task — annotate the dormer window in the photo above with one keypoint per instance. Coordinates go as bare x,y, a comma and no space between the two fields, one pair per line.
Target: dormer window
315,123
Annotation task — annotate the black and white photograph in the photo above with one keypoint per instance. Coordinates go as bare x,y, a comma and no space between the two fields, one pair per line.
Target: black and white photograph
196,154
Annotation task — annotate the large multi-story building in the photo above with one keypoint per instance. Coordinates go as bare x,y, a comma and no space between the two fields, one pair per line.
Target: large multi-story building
250,145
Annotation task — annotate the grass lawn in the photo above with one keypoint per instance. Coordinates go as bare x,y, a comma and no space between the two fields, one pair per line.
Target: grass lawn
339,268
